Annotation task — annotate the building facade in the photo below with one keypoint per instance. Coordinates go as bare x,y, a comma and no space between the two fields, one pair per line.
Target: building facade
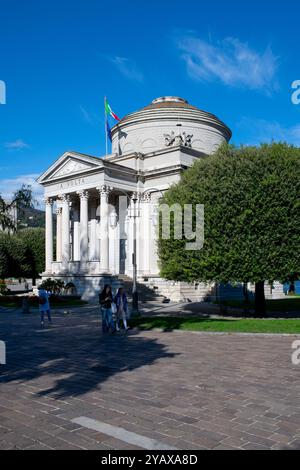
103,204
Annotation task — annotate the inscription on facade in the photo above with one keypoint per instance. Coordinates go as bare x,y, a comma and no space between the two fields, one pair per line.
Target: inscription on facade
72,183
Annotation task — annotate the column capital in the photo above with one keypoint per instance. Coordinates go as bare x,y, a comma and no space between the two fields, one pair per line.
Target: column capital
48,201
146,196
65,198
104,190
83,194
136,196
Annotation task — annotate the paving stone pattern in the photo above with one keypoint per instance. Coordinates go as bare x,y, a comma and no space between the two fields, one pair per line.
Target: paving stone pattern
185,390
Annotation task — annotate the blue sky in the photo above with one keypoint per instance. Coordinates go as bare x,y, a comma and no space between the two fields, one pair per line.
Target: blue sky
59,58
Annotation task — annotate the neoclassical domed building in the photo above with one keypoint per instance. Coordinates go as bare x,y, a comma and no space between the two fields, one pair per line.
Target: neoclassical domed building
94,230
167,122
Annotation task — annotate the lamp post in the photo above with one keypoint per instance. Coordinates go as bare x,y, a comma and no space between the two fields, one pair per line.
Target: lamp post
135,298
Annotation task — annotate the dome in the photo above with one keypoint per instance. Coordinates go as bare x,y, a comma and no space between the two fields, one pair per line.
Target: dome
169,102
169,99
144,130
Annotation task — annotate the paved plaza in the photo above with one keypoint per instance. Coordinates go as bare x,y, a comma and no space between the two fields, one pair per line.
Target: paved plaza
70,387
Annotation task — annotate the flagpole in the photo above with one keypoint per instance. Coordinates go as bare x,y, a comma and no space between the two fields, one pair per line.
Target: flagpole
105,125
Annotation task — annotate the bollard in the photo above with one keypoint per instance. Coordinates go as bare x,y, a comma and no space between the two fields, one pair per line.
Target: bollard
25,305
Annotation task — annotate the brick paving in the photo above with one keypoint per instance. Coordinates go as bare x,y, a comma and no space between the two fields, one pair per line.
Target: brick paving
186,390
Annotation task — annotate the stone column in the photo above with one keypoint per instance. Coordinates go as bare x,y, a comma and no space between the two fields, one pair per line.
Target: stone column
128,245
65,236
104,220
93,233
140,254
154,227
49,234
58,233
122,260
76,235
114,241
145,236
84,227
93,240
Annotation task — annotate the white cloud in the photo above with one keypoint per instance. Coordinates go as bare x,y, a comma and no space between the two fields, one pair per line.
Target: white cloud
8,186
259,131
86,115
230,61
127,68
18,144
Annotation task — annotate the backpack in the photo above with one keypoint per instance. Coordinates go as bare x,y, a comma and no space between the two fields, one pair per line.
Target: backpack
42,300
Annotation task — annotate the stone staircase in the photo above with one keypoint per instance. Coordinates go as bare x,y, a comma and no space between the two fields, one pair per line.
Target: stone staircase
146,293
157,290
180,291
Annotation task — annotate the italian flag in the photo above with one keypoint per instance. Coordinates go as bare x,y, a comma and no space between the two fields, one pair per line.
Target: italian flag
109,111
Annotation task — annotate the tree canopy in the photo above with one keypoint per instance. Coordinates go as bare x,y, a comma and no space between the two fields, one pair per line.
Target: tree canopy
22,254
252,216
22,199
33,240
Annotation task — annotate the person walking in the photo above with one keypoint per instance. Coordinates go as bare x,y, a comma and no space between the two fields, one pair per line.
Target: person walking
122,306
105,301
44,306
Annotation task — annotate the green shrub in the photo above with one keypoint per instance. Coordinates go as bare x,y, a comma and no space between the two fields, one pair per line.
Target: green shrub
53,285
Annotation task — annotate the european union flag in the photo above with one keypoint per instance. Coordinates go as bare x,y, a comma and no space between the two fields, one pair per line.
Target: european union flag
108,130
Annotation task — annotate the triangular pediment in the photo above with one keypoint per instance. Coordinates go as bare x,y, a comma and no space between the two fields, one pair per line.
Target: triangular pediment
70,164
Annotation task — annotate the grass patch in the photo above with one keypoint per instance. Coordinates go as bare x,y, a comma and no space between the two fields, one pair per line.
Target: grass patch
251,325
9,304
289,304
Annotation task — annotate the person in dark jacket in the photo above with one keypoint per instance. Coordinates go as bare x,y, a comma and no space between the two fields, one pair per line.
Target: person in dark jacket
105,301
121,304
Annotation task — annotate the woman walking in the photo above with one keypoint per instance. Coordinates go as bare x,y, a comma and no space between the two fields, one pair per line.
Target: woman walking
121,304
105,301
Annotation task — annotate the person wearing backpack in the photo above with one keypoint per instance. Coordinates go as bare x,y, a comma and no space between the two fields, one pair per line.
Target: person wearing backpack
44,306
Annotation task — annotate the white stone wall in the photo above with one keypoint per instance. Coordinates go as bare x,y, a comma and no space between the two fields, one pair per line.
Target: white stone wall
148,136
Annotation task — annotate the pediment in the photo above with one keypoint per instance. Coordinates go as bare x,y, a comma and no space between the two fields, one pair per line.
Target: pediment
71,164
70,167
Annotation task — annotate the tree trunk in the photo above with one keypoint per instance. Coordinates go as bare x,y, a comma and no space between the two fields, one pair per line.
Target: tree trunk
246,304
246,293
260,301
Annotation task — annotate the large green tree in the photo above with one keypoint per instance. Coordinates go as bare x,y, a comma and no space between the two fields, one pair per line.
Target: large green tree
252,218
22,199
22,254
15,257
5,256
33,240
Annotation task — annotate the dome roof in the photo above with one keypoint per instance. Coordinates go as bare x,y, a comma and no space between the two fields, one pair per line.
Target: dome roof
169,102
167,106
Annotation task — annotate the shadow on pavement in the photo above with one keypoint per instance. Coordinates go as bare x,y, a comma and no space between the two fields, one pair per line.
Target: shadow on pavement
75,350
